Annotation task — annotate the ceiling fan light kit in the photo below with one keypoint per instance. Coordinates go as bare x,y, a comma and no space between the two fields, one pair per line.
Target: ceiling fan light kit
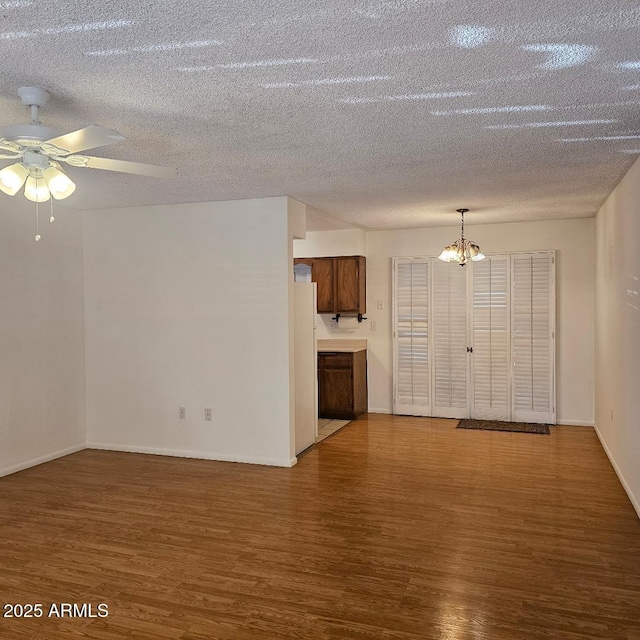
462,249
39,150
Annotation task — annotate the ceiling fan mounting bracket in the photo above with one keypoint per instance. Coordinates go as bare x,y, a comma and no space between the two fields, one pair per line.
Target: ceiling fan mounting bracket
33,96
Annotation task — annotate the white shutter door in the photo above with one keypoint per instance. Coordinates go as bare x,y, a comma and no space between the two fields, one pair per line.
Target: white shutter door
533,320
449,340
491,360
411,337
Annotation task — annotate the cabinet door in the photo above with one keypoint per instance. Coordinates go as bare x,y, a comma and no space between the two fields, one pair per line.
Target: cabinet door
322,273
335,385
335,393
348,284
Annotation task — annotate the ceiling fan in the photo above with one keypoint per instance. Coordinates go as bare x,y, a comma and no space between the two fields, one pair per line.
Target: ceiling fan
39,152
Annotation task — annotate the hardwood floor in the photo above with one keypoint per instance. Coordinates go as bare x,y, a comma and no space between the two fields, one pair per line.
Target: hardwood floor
395,528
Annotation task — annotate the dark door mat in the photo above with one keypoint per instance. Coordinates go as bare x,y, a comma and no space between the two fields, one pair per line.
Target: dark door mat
496,425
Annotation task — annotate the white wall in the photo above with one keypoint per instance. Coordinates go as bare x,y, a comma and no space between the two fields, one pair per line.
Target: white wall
574,241
348,242
296,229
41,337
189,306
617,353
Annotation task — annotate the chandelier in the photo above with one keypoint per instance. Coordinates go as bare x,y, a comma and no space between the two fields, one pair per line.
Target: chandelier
462,250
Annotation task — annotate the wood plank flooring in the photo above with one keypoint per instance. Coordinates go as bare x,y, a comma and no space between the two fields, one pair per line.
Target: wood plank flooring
393,529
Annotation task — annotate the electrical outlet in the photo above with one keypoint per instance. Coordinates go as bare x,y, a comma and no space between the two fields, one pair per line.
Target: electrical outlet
207,415
380,305
182,413
374,326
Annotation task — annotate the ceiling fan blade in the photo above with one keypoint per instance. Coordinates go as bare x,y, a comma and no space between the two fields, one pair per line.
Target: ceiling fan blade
5,156
87,138
9,145
125,166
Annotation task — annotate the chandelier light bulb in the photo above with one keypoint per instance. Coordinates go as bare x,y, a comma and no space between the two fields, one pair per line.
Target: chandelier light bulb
36,190
58,183
12,178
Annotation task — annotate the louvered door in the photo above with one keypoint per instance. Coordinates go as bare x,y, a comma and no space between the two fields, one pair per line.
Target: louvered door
490,339
503,308
449,303
532,328
411,337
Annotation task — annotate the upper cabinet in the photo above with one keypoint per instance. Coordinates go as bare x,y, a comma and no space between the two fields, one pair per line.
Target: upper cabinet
350,288
342,283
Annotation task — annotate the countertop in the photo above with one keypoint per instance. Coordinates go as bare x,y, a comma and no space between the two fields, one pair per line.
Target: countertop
342,345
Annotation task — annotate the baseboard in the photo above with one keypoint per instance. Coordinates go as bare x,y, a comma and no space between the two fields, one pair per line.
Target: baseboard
180,453
634,501
569,423
34,462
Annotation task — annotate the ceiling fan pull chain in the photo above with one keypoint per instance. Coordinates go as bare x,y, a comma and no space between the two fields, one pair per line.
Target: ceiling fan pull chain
37,213
37,222
51,218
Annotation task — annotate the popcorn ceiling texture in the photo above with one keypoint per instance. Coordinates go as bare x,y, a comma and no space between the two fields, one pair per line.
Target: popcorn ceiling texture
331,102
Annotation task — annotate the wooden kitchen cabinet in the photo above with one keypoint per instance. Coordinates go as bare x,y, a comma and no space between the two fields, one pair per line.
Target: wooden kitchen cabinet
350,278
322,272
342,384
342,283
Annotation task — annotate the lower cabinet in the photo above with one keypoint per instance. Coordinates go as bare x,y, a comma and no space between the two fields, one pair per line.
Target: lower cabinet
342,384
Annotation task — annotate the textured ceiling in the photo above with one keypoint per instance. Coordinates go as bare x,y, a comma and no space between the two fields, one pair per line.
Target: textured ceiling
383,114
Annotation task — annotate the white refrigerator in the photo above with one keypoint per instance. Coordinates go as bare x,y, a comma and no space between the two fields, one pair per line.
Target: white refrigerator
306,365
